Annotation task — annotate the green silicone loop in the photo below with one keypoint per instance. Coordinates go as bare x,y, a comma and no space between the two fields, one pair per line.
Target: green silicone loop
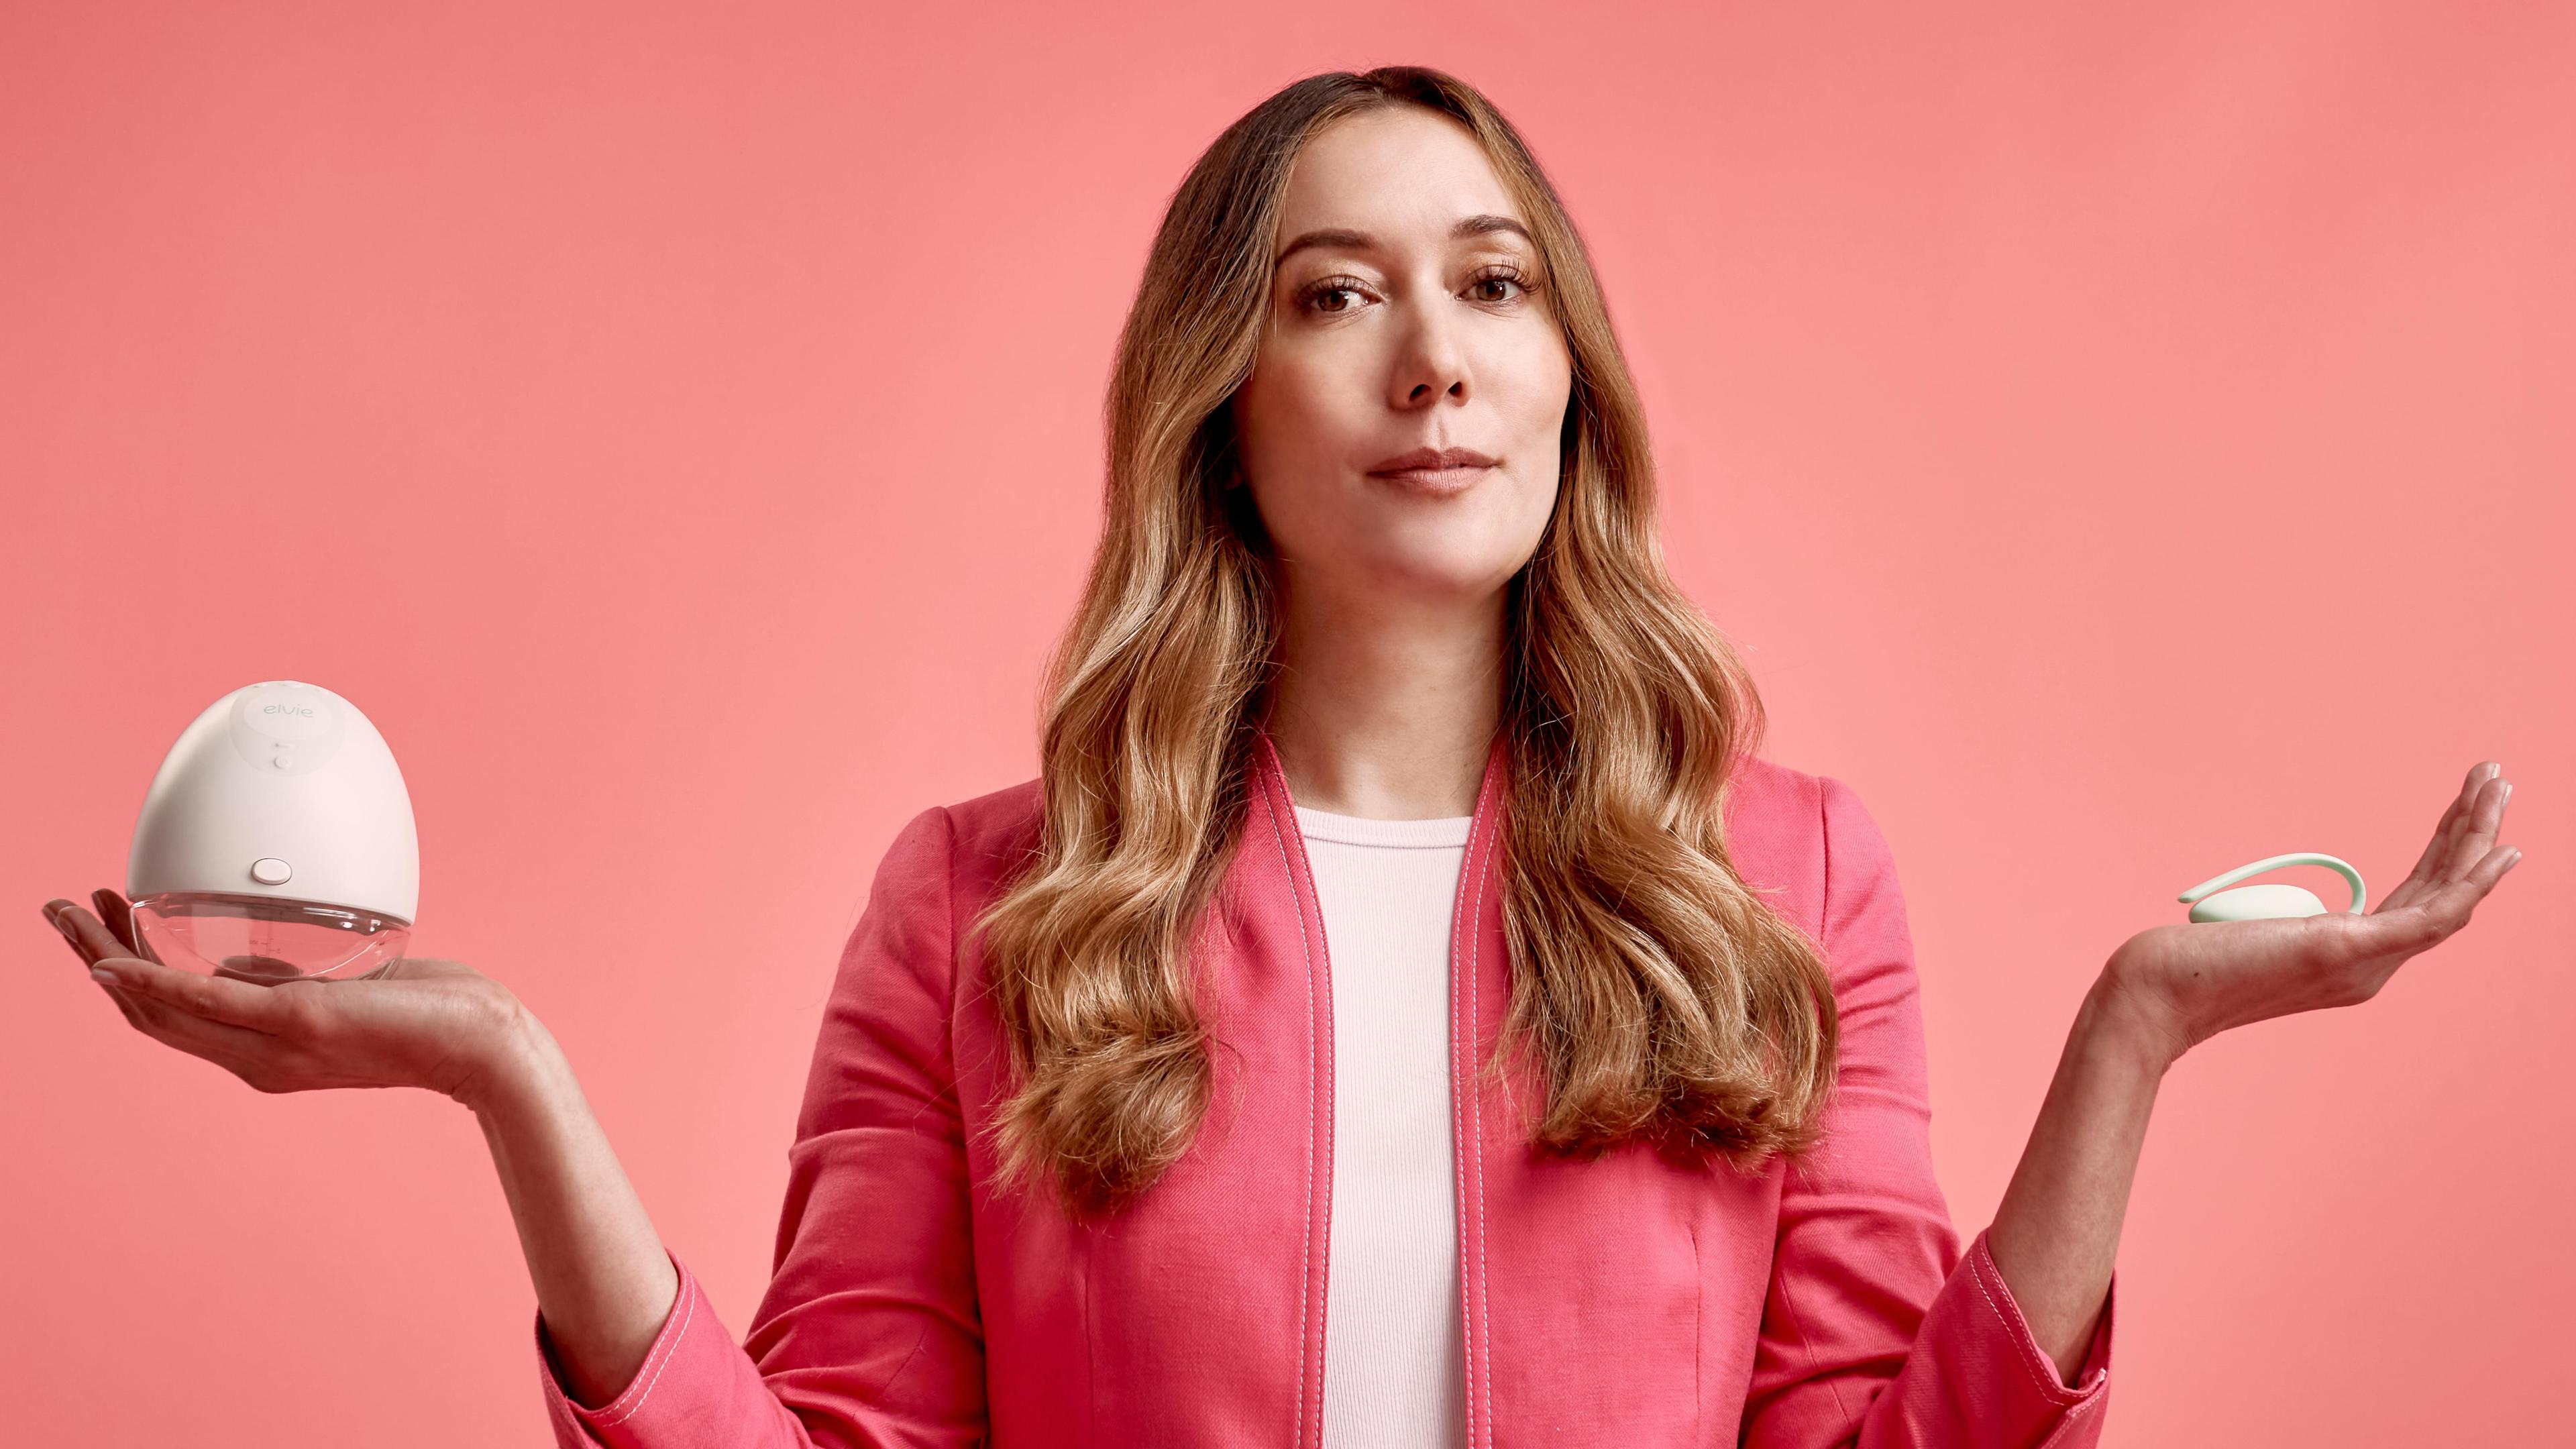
2299,857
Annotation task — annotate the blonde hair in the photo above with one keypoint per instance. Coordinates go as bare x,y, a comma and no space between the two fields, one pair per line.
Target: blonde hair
1656,995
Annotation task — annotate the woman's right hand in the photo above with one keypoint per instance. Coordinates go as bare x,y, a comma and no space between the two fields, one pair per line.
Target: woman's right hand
412,1022
605,1284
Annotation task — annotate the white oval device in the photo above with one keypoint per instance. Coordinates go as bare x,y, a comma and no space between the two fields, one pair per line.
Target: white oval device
2271,900
277,840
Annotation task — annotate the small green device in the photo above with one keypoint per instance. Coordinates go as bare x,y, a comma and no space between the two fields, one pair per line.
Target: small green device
2272,900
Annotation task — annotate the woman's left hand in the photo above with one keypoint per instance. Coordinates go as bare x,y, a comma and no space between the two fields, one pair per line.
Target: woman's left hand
2193,980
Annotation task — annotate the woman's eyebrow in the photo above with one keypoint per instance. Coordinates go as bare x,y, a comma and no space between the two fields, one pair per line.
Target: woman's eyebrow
1484,224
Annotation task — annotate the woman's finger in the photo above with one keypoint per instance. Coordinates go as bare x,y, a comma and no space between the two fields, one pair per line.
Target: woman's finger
2462,895
124,1005
117,914
2438,846
253,1056
2411,929
2394,931
262,1009
84,942
2453,848
2478,833
2461,801
88,937
2460,845
238,1050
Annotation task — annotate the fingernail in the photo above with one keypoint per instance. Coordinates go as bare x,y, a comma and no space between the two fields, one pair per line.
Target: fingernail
103,976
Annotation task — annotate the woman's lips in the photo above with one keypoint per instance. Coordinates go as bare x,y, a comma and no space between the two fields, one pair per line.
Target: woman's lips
1441,480
1439,471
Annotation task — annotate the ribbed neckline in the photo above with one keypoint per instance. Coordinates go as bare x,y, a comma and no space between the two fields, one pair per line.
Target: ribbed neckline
1360,830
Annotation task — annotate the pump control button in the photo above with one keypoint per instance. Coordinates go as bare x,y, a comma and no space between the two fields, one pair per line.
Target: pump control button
270,871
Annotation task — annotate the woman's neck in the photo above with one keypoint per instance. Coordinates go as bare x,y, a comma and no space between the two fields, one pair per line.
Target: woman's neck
1387,711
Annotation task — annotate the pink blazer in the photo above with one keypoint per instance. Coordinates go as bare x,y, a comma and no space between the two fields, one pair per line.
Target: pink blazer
1631,1300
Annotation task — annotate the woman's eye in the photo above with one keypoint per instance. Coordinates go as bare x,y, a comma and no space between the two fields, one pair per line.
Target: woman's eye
1315,296
1341,296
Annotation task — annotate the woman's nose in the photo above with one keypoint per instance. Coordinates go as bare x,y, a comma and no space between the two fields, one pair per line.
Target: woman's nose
1431,364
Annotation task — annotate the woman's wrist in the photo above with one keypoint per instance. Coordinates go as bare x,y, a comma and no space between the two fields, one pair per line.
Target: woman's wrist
516,1063
2131,1021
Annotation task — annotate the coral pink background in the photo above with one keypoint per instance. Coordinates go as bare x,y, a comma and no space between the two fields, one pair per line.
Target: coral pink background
2128,440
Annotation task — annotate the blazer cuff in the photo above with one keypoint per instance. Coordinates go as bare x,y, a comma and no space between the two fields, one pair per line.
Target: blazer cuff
2033,1377
619,1423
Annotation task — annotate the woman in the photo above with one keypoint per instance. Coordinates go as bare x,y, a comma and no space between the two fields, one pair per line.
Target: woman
1600,1119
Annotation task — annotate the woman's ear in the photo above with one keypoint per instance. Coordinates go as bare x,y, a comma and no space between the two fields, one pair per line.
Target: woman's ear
1228,430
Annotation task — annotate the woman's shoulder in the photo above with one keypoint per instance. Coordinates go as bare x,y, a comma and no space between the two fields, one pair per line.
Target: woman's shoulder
944,865
1805,834
986,835
1774,810
1770,798
1763,786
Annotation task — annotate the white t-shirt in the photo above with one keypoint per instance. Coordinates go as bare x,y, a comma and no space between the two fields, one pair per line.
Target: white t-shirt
1394,1352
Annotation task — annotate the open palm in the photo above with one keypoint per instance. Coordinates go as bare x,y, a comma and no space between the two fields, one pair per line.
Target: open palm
413,1022
2204,977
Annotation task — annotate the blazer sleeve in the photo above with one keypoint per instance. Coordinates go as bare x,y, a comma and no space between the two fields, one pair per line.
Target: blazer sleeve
1877,1331
868,1334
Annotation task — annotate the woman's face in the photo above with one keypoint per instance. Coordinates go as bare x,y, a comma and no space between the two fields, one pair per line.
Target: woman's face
1403,318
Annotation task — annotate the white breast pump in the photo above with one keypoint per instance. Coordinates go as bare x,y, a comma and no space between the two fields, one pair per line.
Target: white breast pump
276,843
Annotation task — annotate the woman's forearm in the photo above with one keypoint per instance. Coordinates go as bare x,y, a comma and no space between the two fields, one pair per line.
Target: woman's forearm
603,1281
2057,1231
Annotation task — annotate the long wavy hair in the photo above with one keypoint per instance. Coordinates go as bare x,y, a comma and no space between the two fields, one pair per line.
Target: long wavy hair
1656,996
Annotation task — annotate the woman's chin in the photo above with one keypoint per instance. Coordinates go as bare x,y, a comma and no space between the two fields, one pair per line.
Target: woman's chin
1435,577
